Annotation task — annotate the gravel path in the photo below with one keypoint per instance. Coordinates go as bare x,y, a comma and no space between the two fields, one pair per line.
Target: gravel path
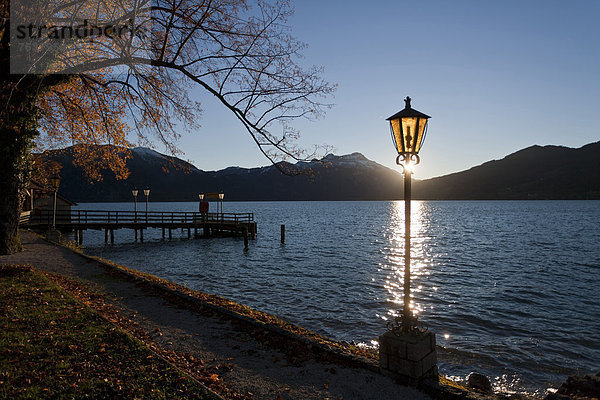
253,369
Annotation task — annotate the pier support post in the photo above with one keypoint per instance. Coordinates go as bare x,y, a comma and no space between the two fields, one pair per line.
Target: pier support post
105,235
141,235
163,233
135,230
80,237
245,238
253,230
170,234
76,235
189,232
282,234
112,236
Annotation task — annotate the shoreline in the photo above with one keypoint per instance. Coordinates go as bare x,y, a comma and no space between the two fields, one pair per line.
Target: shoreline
277,333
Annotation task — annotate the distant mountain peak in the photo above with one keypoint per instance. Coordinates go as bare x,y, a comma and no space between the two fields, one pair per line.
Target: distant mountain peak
349,160
146,152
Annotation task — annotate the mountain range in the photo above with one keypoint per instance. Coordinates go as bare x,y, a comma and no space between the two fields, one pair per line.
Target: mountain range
536,172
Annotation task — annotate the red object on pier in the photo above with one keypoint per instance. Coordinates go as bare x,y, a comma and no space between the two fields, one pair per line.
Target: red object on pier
204,206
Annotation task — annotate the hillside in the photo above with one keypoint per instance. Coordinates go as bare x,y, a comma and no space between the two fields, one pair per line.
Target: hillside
536,172
349,177
548,172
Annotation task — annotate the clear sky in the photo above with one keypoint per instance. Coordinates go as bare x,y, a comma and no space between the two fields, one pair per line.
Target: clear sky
496,76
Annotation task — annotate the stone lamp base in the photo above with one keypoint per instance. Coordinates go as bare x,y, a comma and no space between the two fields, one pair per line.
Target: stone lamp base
408,357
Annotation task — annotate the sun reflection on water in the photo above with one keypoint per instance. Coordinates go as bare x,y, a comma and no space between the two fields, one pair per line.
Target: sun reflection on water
393,254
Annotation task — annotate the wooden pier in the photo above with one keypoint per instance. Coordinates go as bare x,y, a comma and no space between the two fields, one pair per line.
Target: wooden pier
211,224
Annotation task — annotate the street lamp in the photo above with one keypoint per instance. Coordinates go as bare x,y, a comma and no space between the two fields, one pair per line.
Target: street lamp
134,192
55,182
202,207
408,128
221,196
406,352
147,193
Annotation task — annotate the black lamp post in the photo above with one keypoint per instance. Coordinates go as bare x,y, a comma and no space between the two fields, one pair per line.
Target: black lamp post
406,352
134,192
201,206
221,196
408,128
147,194
55,181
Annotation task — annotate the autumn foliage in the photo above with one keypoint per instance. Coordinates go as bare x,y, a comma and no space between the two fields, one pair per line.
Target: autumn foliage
140,88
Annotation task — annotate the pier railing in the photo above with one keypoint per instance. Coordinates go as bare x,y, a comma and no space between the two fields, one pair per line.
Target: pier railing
85,217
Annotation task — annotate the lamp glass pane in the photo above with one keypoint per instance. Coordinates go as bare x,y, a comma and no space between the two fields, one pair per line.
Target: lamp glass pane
421,134
410,133
395,123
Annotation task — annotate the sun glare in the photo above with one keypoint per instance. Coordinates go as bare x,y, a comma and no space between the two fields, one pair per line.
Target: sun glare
409,166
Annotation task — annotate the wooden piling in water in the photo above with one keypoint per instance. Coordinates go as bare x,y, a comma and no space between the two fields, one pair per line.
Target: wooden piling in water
189,232
141,235
170,233
80,237
282,234
106,236
135,235
163,233
112,236
245,238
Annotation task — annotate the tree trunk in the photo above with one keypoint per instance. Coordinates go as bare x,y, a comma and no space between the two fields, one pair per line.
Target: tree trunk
18,117
17,130
13,147
15,166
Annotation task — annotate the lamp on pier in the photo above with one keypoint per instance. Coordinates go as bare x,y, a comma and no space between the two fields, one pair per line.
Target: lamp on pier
221,197
203,206
147,194
134,192
406,351
55,182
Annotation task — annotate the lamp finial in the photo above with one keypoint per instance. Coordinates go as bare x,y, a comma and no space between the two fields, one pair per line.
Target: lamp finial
407,101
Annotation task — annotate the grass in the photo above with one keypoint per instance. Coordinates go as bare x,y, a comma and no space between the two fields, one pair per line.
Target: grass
53,346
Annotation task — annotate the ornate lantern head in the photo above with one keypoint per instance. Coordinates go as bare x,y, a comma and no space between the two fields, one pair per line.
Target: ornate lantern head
408,129
146,192
134,192
55,181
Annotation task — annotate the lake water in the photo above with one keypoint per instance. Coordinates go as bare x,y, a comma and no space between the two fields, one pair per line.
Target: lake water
509,287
